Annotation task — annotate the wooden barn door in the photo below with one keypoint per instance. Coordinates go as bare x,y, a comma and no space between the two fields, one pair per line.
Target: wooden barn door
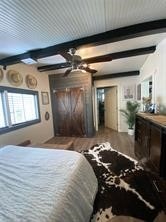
77,112
69,112
62,113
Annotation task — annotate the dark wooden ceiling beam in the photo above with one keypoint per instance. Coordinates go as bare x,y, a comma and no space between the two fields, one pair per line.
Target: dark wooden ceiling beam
116,75
120,55
102,58
54,67
133,31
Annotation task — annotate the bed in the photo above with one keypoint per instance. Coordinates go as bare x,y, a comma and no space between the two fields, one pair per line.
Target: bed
45,185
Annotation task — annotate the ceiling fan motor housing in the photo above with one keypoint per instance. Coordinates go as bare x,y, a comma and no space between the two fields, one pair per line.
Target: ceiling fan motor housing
76,58
76,61
72,51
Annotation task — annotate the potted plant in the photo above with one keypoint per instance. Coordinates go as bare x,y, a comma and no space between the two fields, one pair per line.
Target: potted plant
129,113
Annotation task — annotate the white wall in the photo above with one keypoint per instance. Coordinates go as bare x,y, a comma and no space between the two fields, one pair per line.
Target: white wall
155,66
120,83
39,132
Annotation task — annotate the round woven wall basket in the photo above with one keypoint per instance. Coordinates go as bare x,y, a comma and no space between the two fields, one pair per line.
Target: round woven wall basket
14,77
31,81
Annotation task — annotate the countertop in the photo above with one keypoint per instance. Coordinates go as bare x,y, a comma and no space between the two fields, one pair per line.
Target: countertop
155,118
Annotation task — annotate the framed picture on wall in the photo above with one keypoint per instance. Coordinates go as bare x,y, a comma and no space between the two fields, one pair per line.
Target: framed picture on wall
45,98
128,92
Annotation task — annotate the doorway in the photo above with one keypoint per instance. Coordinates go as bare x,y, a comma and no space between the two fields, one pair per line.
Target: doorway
107,114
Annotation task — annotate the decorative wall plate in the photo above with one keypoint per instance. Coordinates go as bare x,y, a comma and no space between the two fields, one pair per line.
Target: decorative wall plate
31,81
1,74
14,77
47,116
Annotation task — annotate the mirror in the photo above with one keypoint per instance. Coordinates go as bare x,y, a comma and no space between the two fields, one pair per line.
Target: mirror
147,95
146,88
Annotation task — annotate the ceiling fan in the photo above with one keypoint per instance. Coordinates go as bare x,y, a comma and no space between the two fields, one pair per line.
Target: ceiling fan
77,63
74,61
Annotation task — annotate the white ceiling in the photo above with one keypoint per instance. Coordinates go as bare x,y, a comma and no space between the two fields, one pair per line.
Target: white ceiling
120,65
33,24
135,43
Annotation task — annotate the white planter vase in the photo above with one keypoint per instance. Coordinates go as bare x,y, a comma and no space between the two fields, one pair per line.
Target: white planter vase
131,132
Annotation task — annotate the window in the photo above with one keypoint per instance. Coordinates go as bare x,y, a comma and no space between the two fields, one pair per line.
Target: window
2,115
18,108
22,107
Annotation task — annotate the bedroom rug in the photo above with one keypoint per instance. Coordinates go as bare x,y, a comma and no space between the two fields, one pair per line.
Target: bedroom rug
124,187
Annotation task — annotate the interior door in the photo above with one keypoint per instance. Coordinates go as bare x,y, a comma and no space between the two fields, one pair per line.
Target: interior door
62,112
110,107
70,112
77,112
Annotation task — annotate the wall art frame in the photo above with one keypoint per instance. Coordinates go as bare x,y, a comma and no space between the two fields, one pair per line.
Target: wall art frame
128,92
45,98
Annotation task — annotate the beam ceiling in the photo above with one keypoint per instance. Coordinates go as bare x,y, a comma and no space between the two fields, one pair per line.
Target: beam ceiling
116,75
138,30
103,58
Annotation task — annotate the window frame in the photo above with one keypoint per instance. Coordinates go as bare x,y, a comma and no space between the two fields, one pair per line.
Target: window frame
3,110
9,128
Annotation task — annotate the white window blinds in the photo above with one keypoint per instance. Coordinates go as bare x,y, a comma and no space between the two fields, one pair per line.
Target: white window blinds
22,107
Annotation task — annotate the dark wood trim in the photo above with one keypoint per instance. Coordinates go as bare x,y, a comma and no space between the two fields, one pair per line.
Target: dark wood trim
116,75
120,55
54,66
133,31
103,58
19,126
18,90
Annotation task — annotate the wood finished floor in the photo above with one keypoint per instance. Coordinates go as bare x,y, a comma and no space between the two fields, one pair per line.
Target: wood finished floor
122,142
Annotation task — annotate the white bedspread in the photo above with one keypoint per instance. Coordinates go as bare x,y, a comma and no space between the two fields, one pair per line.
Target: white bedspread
45,185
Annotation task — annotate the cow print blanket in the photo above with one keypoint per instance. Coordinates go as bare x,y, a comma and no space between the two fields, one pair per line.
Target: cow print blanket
123,186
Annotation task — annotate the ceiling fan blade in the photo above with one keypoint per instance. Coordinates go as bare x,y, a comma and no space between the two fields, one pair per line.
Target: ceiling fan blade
67,72
66,55
87,69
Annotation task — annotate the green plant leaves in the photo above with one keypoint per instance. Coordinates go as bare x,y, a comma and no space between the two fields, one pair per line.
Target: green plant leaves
129,113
